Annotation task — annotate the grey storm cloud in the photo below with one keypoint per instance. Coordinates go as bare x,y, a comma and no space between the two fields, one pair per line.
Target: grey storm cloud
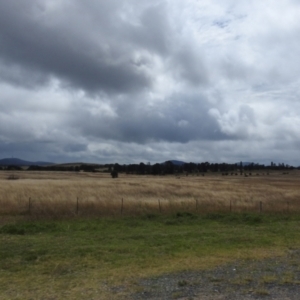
33,42
102,52
135,80
181,118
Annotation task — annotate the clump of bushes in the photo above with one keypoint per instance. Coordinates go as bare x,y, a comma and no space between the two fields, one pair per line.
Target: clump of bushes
114,174
13,177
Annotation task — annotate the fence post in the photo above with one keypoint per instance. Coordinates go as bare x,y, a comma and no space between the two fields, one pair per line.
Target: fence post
260,206
77,206
159,206
29,205
230,206
122,203
288,207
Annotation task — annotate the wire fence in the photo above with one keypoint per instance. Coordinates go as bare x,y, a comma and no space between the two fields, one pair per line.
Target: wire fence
121,207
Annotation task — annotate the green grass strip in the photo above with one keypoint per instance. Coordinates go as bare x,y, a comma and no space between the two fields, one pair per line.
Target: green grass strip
69,257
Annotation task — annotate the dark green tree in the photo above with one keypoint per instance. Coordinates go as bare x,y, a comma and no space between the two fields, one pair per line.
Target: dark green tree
114,174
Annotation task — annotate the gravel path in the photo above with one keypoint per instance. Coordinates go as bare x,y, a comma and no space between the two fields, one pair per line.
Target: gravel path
275,278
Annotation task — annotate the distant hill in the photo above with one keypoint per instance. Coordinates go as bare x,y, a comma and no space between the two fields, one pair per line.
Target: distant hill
20,162
176,162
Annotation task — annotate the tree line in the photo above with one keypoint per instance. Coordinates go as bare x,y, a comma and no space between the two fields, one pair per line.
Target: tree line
166,168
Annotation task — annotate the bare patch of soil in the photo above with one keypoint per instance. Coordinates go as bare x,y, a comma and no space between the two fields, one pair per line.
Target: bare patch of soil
275,278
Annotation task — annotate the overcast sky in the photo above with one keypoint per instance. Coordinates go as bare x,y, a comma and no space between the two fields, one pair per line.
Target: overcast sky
134,81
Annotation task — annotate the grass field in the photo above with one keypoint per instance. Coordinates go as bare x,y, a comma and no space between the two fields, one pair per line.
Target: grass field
53,253
56,194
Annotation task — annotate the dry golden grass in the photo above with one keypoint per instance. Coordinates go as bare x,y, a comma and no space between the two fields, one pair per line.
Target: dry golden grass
55,194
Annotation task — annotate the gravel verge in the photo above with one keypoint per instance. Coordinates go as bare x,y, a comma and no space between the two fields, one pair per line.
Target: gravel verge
273,278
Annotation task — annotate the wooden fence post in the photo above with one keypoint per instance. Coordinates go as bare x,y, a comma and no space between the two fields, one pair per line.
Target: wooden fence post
122,204
159,206
29,205
230,206
77,206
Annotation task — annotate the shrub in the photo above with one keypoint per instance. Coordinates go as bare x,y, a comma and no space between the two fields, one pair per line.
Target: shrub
12,177
114,174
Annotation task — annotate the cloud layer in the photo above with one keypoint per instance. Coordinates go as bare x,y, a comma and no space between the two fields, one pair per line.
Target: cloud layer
132,81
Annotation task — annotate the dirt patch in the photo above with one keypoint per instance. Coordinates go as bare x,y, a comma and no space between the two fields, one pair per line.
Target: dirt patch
275,278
